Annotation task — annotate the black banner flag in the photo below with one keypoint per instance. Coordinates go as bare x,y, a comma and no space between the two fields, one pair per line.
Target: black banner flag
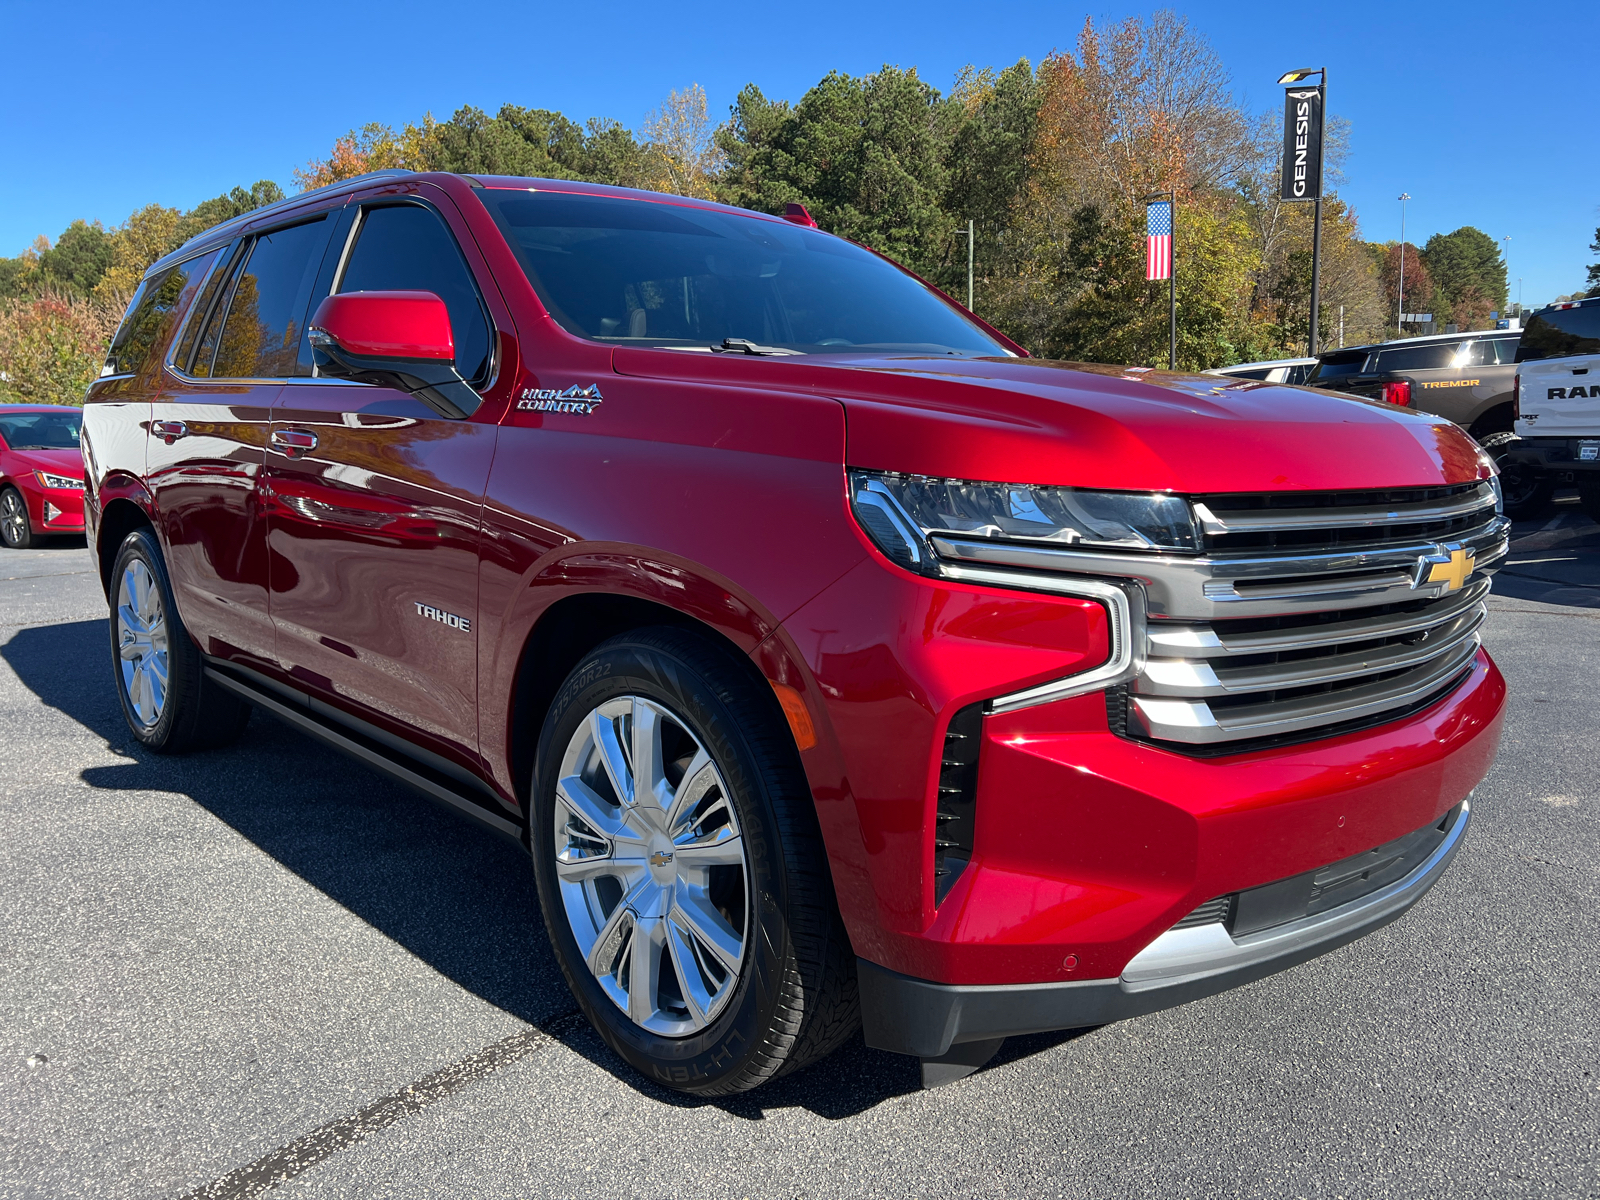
1302,144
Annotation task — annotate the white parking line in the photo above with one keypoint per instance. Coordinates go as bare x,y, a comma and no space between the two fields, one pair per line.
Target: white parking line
1554,521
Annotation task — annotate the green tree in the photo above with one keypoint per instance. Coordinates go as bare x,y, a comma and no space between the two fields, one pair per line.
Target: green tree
1594,268
867,156
1469,272
79,258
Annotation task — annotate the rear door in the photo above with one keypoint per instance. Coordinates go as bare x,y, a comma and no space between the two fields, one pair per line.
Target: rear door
375,505
209,428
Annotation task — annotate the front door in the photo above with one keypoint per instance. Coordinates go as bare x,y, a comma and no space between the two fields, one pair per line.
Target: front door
374,506
208,429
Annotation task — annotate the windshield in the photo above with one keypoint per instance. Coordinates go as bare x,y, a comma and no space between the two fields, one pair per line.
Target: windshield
41,431
637,272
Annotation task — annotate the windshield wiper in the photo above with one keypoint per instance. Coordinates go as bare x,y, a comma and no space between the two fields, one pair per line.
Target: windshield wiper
745,346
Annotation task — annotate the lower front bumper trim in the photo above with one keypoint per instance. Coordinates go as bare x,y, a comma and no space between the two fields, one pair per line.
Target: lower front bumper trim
907,1015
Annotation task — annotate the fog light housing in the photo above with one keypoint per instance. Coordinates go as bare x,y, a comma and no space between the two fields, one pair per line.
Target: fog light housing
51,512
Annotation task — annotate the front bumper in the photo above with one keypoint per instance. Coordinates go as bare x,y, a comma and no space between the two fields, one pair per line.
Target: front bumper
919,1017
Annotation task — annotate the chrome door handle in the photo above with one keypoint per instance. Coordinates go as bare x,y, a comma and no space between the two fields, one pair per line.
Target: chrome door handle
169,431
294,441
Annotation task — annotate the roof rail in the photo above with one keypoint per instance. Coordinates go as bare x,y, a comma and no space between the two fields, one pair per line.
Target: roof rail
228,226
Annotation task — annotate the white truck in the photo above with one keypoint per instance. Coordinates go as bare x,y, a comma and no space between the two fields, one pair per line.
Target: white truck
1557,397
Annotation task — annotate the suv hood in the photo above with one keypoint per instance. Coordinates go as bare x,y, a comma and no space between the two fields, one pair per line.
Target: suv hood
1083,425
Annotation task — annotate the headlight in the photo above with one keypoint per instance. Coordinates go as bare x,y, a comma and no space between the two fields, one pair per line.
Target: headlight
58,482
899,512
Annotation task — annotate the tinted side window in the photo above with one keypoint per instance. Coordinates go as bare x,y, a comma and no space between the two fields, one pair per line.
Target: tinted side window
1258,373
1505,349
152,314
267,311
205,308
408,248
1418,358
1477,353
1561,332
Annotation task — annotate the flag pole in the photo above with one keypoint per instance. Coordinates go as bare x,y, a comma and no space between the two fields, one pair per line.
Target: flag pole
1171,200
1172,291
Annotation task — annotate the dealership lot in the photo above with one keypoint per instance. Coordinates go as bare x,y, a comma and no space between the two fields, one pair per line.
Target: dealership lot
267,964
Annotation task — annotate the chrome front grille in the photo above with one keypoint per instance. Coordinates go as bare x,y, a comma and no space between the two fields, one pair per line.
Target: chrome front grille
1305,614
1357,614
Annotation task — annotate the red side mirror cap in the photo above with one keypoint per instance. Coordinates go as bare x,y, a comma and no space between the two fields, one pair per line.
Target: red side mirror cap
392,326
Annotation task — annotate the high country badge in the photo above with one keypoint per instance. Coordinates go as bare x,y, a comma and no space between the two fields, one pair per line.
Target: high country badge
579,400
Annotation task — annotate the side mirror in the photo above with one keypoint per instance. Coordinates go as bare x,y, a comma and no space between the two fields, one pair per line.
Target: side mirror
398,339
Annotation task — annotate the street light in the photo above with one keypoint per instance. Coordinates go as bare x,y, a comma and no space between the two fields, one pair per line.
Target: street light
1506,254
1400,308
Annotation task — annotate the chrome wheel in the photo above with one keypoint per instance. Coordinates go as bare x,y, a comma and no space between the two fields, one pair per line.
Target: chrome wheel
651,866
13,518
142,642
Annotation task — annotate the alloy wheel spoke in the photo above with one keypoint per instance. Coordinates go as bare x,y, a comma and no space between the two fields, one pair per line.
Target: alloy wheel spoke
603,951
699,777
690,981
648,780
644,967
695,915
612,756
130,621
723,848
590,808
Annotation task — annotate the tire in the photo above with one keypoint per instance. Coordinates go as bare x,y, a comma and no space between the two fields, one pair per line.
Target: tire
169,704
16,530
1589,498
1527,490
715,881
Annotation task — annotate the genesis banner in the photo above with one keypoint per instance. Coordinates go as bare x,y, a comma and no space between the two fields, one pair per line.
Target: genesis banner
1302,144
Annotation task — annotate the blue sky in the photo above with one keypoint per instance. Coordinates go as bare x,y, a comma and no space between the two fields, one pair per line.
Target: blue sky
109,107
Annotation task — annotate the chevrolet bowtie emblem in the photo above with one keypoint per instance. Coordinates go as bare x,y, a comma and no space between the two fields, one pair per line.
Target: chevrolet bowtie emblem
661,858
1450,565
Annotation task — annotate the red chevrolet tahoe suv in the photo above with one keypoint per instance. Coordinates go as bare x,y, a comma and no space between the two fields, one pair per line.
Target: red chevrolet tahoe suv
838,664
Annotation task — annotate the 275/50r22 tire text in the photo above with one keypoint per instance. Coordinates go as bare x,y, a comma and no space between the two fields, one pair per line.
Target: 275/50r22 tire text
680,868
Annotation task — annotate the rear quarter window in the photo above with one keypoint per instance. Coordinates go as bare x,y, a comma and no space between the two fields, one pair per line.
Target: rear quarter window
152,315
1561,332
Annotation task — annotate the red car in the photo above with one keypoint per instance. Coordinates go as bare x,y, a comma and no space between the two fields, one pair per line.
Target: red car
41,473
835,661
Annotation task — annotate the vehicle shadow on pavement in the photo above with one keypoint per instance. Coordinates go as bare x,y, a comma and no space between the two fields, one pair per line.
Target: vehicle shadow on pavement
459,898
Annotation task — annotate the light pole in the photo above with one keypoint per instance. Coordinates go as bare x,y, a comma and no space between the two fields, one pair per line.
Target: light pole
970,228
1400,308
1506,255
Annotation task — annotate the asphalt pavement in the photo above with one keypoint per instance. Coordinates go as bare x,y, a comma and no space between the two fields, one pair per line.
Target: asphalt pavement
266,968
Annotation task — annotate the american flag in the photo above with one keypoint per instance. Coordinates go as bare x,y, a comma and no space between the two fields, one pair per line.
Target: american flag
1158,240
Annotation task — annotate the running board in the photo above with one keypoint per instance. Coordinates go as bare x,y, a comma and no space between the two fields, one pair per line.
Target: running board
373,756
